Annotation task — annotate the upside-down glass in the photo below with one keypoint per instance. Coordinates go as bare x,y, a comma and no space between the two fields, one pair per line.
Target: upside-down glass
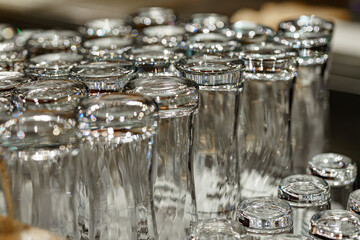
52,65
105,27
167,35
263,217
307,195
53,41
215,167
117,131
173,187
61,95
41,155
263,129
12,57
101,77
311,37
9,81
206,22
216,228
153,59
334,224
354,202
339,172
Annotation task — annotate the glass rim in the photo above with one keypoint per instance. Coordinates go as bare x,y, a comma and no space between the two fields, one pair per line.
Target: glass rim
354,201
111,27
266,52
218,44
107,43
54,38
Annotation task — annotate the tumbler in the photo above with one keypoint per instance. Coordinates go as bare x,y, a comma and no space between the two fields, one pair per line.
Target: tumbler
52,65
9,81
173,187
53,41
168,36
339,172
264,122
354,202
216,228
307,195
214,164
41,157
60,95
264,217
12,57
102,77
117,137
206,22
334,224
311,37
105,27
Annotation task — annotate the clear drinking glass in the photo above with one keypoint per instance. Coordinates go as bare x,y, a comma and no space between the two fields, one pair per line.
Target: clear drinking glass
102,77
9,81
335,224
354,202
311,37
52,65
117,131
24,35
288,237
12,57
206,22
53,41
339,172
215,167
106,49
41,156
167,35
307,195
216,228
105,27
263,217
173,187
61,95
264,121
153,59
248,32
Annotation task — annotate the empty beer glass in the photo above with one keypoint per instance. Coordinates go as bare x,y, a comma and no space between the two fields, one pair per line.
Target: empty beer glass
173,187
334,224
105,27
41,156
117,131
206,22
215,167
52,65
263,217
339,172
263,130
102,77
9,81
216,228
311,37
354,202
307,195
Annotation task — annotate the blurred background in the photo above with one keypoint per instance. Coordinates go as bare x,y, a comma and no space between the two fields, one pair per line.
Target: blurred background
344,126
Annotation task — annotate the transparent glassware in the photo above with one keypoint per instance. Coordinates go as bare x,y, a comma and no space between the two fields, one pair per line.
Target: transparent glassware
151,16
117,131
41,156
334,224
173,187
248,32
61,95
216,228
9,81
168,35
209,43
339,172
288,237
105,27
215,167
24,35
311,37
12,57
307,195
263,217
52,65
102,77
106,49
7,32
206,22
53,41
264,122
354,202
153,59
